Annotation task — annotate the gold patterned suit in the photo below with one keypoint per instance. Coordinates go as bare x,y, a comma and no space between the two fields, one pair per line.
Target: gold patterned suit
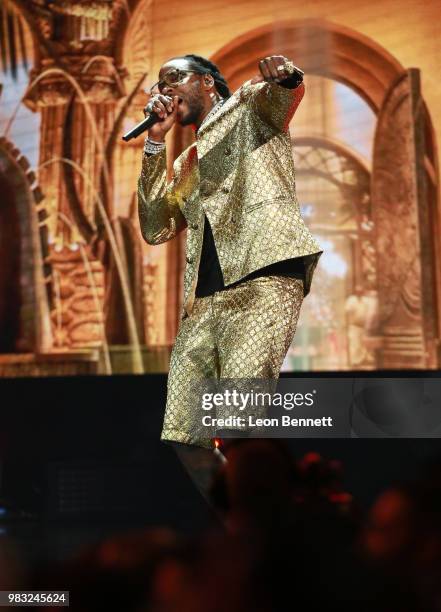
240,174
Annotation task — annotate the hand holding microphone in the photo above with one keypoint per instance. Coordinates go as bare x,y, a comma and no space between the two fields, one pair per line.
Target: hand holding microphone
160,114
165,107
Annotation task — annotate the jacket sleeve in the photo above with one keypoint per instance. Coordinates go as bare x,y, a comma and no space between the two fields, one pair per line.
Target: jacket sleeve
160,216
274,104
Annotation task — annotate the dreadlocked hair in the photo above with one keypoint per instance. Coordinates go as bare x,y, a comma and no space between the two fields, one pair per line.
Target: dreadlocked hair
204,66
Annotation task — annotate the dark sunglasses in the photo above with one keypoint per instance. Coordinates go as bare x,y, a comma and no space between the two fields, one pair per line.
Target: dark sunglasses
172,78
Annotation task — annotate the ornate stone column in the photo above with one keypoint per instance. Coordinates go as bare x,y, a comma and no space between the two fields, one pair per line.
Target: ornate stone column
407,322
88,120
75,88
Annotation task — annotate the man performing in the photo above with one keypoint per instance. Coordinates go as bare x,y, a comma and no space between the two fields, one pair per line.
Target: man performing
250,257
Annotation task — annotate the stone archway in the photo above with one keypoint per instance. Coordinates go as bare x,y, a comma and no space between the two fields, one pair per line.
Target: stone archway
320,47
28,285
333,187
409,301
10,295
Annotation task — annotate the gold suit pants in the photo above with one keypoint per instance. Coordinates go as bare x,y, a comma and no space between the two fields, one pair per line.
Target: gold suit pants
240,332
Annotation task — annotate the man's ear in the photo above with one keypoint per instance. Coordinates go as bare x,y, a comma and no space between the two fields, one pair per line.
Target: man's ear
208,81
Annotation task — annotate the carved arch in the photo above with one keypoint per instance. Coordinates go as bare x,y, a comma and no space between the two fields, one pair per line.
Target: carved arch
30,18
330,50
320,47
34,270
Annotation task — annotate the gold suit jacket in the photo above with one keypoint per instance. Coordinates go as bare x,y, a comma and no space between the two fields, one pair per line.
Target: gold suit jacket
240,173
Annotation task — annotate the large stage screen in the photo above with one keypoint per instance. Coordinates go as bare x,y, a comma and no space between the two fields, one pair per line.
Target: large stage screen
82,292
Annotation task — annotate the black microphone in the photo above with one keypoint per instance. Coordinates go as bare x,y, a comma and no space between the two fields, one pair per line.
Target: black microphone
141,127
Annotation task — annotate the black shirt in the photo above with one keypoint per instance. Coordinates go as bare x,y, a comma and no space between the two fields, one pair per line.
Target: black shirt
210,277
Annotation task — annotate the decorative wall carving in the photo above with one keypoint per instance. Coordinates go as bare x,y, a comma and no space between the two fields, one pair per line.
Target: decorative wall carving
102,86
77,317
406,319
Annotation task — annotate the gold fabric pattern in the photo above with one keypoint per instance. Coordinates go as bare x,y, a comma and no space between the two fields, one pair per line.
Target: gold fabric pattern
241,332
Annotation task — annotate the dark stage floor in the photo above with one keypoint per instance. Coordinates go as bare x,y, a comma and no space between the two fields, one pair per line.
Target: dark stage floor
81,460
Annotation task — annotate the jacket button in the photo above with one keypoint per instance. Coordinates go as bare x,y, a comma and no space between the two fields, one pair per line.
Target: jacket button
184,198
227,151
194,226
225,189
189,260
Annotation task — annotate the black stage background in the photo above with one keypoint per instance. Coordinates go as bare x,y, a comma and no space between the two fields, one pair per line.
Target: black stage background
81,459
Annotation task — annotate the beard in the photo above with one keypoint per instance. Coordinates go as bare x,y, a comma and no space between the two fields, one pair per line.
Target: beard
195,104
